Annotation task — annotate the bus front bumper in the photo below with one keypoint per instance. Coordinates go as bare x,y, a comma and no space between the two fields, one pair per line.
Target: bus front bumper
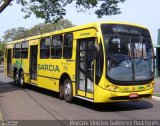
102,95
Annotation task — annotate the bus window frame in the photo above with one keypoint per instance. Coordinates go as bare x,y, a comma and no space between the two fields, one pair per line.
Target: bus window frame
64,42
46,48
15,50
24,49
54,47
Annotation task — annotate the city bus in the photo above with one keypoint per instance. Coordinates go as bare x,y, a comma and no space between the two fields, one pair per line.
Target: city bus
99,62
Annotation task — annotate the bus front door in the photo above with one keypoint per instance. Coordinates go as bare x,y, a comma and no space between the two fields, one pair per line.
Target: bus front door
85,68
9,62
33,63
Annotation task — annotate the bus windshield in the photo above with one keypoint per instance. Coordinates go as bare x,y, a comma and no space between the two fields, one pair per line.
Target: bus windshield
129,53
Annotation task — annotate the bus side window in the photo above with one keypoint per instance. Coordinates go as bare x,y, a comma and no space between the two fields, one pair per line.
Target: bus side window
17,50
24,50
56,46
67,46
45,48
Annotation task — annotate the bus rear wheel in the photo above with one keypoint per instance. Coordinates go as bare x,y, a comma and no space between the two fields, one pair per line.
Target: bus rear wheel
68,90
21,79
16,78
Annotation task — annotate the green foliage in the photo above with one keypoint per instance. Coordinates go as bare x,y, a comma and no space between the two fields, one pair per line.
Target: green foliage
158,95
14,34
2,46
108,8
44,28
54,10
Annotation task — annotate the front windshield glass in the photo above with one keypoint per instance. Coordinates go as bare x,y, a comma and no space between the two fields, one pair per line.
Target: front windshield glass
129,53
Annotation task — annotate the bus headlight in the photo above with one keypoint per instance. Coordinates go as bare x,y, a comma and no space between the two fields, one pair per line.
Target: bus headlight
112,88
150,86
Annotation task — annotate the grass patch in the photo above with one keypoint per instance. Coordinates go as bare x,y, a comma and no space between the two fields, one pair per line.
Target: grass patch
158,95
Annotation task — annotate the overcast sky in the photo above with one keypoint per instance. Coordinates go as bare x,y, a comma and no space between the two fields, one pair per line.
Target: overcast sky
142,12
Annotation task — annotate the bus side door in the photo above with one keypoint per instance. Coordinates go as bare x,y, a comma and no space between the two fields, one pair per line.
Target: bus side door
85,67
9,62
33,63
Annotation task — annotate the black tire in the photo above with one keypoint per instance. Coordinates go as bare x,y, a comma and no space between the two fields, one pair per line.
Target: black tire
16,78
61,92
68,90
21,79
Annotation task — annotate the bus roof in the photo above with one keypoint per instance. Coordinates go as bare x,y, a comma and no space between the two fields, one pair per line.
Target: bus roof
75,28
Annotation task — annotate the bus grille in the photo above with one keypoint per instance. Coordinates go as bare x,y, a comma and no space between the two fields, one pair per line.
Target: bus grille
127,97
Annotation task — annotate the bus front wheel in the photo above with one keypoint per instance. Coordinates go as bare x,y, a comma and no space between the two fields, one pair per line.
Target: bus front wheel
61,92
68,90
21,79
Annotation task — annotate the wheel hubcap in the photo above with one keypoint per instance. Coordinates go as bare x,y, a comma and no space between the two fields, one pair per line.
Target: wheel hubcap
21,81
67,89
16,78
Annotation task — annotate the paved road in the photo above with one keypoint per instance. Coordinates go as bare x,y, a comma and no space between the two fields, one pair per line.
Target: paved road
36,104
157,86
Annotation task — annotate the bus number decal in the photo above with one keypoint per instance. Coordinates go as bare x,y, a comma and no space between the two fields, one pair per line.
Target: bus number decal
85,34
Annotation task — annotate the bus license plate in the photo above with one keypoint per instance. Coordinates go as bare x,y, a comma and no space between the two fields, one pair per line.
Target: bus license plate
133,95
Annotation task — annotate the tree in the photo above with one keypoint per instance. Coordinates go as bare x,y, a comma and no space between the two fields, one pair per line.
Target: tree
54,10
49,27
14,34
21,32
4,4
2,46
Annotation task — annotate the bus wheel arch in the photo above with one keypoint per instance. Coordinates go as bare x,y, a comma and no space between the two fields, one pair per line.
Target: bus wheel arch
65,83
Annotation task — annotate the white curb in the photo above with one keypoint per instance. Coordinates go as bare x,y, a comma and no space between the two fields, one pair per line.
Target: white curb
1,116
156,98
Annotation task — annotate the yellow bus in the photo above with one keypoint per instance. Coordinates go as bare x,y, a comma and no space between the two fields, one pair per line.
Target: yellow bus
98,62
